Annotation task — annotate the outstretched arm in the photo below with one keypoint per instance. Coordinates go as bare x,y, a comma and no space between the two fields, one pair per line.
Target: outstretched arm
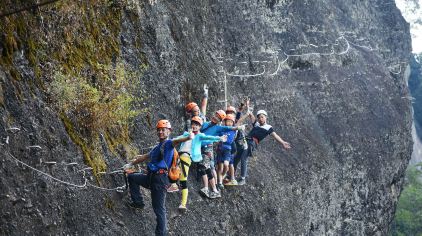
140,158
285,144
181,139
204,101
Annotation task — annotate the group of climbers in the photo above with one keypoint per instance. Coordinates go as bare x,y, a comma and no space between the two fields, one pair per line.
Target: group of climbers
197,146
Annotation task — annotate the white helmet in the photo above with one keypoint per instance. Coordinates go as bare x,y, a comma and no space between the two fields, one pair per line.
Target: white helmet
261,112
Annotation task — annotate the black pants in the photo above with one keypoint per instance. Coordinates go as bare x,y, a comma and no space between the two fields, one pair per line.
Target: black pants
157,184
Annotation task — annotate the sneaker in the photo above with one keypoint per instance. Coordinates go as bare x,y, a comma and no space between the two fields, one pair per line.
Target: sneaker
215,195
137,206
231,183
241,182
225,181
205,192
220,186
173,188
182,208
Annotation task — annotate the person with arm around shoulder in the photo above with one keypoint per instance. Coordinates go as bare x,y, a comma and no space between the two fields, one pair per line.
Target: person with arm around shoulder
190,152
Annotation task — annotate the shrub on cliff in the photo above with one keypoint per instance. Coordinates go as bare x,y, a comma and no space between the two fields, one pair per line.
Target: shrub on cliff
408,219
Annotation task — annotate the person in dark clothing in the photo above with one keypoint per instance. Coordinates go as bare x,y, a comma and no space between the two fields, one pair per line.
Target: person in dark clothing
156,178
259,131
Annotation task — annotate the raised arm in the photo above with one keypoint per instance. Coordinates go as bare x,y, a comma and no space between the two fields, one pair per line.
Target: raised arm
242,118
285,144
204,101
250,111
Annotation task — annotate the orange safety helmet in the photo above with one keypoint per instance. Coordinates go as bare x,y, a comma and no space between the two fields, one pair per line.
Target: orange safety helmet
190,106
221,114
230,117
163,124
197,119
231,108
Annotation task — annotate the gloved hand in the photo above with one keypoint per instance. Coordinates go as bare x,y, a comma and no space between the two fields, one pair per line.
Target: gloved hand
127,166
241,127
205,90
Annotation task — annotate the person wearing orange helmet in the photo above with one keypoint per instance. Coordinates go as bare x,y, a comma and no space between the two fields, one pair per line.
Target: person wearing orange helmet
192,109
205,167
239,143
224,151
156,179
190,151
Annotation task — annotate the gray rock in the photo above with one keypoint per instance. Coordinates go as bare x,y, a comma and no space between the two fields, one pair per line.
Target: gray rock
335,99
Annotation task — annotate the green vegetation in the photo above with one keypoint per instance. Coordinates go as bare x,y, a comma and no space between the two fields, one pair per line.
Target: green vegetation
97,103
408,219
77,64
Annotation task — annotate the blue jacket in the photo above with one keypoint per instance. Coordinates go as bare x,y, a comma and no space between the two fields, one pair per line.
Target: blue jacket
230,138
214,130
157,159
196,144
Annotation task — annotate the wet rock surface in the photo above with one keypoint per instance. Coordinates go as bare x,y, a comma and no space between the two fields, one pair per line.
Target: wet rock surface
329,73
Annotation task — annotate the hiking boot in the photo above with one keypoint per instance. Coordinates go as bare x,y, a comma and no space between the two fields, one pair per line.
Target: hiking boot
182,208
241,182
173,188
231,183
205,192
220,186
225,181
215,195
136,206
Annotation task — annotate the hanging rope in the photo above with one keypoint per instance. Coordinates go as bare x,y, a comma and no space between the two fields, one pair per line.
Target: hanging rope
49,176
84,185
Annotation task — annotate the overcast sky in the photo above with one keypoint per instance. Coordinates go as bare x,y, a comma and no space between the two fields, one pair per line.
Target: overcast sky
412,12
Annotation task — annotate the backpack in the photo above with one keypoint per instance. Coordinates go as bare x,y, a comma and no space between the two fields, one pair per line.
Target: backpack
174,170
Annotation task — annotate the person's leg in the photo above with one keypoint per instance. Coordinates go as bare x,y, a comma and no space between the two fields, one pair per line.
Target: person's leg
158,198
213,162
225,169
207,155
202,168
211,180
237,158
202,172
231,176
244,165
220,172
135,180
185,163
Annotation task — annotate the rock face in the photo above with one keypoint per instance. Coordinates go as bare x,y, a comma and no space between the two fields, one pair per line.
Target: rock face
329,73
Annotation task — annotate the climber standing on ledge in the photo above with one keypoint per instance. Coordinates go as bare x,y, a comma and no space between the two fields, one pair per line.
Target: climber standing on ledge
157,177
259,131
192,109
